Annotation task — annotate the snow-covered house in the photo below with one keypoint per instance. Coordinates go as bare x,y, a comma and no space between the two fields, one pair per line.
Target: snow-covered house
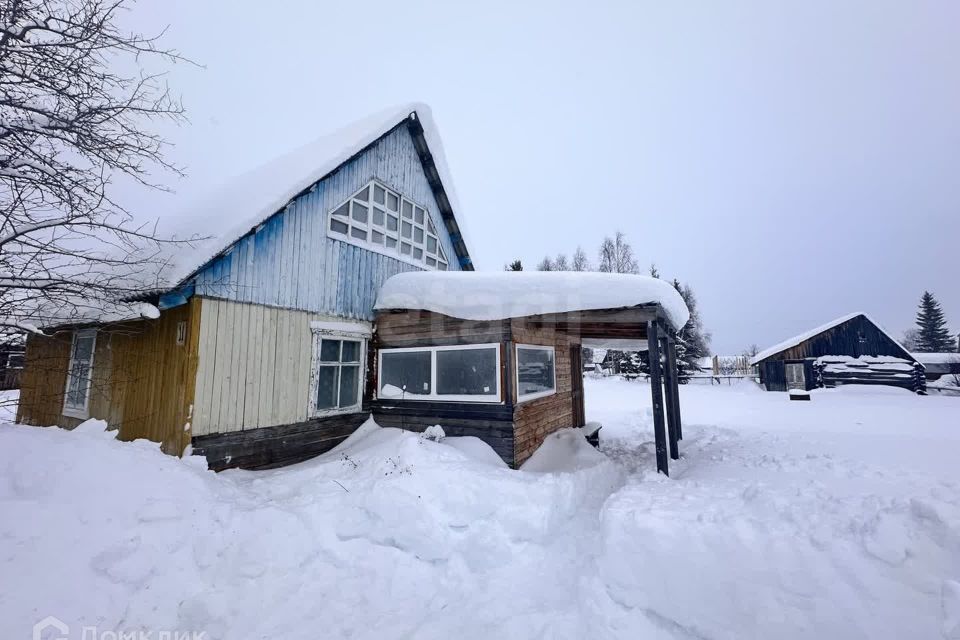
937,365
258,355
852,349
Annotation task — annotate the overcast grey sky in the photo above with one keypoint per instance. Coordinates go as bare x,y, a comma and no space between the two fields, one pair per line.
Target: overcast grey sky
793,164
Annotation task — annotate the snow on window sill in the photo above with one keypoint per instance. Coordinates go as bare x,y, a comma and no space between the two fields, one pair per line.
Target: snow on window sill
75,412
326,413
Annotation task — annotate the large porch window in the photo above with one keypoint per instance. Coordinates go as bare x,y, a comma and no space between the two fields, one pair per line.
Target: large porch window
76,400
461,373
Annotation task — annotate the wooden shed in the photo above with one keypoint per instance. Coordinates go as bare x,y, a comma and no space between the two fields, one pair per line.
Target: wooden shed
497,355
852,349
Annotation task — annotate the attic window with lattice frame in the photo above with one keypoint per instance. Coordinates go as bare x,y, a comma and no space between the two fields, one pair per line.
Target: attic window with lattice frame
382,220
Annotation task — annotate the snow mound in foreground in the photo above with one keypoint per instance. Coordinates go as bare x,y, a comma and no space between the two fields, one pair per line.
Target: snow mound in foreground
388,535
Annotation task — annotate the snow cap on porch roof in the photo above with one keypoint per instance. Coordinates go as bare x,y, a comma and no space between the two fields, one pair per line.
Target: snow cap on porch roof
242,204
514,294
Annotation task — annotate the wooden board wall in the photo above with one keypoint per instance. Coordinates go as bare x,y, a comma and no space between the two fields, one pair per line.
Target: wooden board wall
142,381
254,366
855,337
534,420
291,261
44,379
153,378
269,447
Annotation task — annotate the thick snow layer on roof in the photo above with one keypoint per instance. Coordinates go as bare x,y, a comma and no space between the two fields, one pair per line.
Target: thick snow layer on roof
513,294
795,340
240,205
81,312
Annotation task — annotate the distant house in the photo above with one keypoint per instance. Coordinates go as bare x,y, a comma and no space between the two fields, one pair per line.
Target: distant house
937,365
258,355
852,349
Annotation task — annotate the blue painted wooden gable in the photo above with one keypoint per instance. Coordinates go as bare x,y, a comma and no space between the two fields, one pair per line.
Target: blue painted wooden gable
290,261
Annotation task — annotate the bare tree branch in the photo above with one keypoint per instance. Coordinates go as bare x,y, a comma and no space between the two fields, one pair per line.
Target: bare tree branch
76,105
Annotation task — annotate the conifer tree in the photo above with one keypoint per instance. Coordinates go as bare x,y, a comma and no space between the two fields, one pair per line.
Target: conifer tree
693,343
516,265
933,336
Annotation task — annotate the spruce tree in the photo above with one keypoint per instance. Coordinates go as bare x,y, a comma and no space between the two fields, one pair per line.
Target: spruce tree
933,335
516,265
693,343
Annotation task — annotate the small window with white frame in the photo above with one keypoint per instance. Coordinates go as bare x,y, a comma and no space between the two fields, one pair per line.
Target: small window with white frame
382,220
456,373
536,372
76,397
339,362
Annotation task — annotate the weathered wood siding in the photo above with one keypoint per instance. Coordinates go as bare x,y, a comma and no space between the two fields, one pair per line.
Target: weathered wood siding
254,368
269,447
534,420
773,374
491,422
153,378
513,430
142,380
856,337
44,379
291,262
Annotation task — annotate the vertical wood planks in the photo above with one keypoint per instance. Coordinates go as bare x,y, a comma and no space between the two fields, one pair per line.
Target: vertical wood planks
269,355
290,261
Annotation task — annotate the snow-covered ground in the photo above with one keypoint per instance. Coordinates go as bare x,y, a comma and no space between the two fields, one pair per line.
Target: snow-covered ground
838,517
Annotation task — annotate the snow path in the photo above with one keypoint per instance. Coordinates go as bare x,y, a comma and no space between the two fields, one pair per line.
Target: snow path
834,518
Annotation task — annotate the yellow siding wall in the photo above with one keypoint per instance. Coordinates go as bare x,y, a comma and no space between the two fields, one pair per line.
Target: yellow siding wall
44,379
142,383
254,366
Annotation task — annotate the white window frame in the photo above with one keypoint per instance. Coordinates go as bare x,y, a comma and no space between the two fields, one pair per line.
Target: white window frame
74,411
436,261
540,394
433,396
336,331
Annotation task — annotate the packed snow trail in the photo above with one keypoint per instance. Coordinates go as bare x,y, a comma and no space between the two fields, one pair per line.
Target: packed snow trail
837,518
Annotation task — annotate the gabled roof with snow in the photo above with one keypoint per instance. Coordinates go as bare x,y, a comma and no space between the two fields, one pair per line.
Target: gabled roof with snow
514,294
803,337
246,202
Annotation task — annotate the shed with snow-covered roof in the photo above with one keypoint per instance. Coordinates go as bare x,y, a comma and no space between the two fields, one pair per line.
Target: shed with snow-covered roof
498,355
852,349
